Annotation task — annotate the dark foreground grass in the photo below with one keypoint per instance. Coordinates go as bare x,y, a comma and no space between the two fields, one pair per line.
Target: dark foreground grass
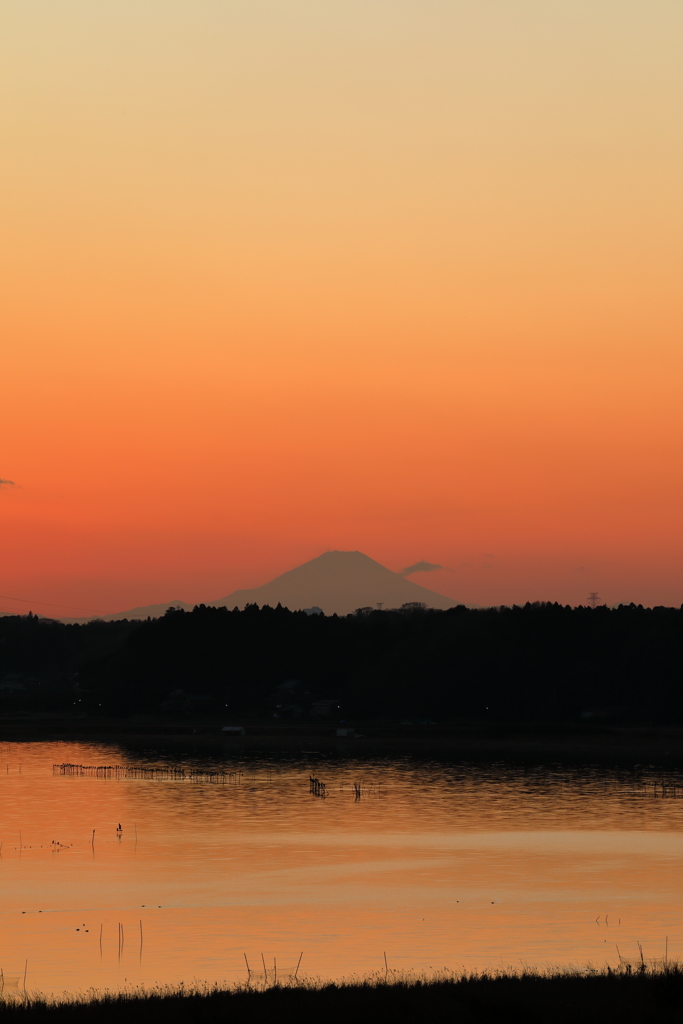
648,997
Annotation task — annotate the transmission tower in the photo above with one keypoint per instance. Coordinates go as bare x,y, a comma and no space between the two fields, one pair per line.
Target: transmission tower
593,598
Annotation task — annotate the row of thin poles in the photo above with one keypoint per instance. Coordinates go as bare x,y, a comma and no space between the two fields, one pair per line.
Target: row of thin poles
142,772
251,973
2,979
664,789
122,941
318,788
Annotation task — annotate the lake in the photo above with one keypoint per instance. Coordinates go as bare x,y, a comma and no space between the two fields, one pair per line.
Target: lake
435,865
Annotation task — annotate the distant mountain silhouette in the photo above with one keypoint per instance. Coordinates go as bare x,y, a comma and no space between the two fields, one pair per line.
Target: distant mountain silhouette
337,581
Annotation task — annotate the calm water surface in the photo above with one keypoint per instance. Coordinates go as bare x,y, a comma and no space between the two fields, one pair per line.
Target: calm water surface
438,865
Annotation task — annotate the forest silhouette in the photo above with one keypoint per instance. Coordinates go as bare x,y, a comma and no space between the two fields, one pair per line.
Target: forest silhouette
536,663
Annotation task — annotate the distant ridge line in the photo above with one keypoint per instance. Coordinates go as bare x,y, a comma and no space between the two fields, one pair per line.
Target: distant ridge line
338,582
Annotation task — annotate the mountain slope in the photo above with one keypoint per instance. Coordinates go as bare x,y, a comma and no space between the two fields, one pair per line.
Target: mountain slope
337,581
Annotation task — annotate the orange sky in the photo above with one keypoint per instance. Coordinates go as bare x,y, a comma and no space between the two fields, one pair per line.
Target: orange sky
388,276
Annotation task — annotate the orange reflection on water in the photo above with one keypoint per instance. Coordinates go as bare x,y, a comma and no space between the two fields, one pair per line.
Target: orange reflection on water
436,865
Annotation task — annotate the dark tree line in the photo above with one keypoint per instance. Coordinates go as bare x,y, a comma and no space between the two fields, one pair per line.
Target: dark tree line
539,662
536,663
39,659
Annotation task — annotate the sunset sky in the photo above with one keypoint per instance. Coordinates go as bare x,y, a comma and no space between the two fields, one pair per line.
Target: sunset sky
400,276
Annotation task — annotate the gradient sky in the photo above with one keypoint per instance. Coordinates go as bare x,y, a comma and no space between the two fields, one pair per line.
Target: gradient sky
387,275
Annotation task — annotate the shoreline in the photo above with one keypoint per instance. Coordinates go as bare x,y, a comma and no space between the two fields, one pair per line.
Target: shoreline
571,743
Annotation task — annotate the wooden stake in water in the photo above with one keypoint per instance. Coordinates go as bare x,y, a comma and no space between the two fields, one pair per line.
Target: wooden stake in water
386,966
299,964
248,968
140,941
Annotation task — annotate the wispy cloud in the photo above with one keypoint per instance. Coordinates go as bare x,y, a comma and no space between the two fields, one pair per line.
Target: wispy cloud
419,567
7,483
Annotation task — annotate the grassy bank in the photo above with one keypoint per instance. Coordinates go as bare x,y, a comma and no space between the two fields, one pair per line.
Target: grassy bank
650,997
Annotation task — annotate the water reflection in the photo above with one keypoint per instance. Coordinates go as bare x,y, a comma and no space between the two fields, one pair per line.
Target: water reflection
139,875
